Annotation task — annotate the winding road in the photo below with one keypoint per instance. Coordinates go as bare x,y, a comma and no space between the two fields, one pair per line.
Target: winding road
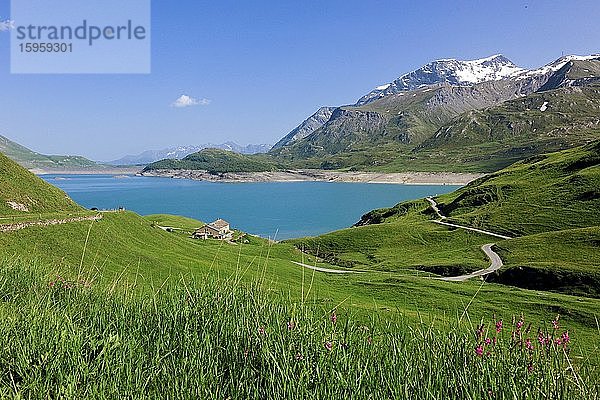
496,261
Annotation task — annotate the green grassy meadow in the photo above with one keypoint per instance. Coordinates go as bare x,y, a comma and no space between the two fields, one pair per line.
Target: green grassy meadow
121,308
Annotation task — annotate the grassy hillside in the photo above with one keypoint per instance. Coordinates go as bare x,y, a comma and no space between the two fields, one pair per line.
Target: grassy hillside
32,160
127,300
551,202
17,185
65,338
541,194
218,161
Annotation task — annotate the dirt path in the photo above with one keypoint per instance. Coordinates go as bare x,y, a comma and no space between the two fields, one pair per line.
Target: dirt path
327,270
17,226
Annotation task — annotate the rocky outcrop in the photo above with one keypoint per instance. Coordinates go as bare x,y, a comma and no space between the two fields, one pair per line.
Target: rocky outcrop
307,127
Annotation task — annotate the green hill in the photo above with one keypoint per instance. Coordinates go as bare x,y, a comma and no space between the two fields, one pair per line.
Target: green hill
551,202
32,160
29,194
217,161
544,193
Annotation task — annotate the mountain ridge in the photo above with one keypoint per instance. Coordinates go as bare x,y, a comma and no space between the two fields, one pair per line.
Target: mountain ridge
180,152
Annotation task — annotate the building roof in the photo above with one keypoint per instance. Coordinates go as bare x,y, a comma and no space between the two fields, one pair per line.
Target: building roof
220,223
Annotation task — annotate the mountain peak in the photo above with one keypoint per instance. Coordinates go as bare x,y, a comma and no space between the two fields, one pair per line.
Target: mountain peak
450,71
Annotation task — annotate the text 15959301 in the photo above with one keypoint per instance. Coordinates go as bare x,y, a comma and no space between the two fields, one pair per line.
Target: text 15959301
46,47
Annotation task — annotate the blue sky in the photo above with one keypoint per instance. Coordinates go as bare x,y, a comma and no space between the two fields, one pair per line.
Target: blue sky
258,68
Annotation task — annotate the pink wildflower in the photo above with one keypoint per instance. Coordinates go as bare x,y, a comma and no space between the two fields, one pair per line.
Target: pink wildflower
565,337
291,325
488,341
52,283
529,345
333,317
328,345
479,350
498,326
541,339
530,368
520,324
558,342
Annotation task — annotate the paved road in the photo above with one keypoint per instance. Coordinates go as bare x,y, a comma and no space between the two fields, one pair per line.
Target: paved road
472,229
442,217
496,261
327,270
496,265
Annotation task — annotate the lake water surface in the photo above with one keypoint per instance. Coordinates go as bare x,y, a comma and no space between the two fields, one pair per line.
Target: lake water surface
278,210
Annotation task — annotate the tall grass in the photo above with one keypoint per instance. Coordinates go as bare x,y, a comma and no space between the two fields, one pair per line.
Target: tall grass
69,338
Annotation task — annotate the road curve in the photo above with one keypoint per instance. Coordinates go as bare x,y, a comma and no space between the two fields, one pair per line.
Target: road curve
494,266
496,261
327,270
442,217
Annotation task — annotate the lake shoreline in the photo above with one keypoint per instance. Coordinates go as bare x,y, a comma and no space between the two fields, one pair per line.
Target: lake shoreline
107,171
403,178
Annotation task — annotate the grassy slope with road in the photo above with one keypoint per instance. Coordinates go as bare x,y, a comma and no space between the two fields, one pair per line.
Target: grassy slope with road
125,253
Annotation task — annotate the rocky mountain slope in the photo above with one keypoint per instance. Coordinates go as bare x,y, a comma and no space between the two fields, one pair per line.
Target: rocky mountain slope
308,126
402,118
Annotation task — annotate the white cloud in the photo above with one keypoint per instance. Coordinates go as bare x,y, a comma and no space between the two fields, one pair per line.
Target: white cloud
7,25
187,101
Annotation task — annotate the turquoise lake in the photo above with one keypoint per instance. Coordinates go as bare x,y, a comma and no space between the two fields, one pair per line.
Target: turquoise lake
279,210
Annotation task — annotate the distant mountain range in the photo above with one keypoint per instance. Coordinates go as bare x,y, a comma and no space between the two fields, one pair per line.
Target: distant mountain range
178,153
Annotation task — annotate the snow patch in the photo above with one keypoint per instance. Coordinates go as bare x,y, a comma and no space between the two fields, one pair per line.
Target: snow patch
383,87
544,106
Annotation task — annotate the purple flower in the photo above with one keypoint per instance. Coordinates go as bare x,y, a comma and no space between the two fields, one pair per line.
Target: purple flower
328,345
520,324
333,317
479,350
498,326
529,345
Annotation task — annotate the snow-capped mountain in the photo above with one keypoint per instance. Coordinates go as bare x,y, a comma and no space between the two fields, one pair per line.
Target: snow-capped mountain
180,152
451,71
